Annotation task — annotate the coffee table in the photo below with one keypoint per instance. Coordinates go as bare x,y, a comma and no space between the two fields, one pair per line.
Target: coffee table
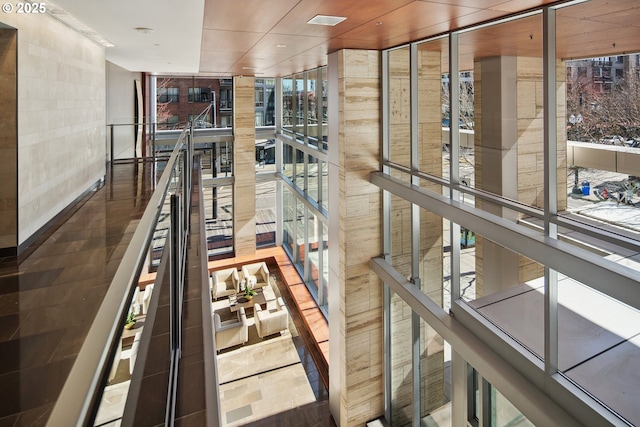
262,297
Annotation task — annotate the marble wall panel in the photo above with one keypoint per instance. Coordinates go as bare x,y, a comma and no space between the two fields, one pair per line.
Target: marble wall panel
61,118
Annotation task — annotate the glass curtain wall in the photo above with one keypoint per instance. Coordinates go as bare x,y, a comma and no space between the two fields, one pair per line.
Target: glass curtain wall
304,172
199,100
419,363
265,162
488,407
486,142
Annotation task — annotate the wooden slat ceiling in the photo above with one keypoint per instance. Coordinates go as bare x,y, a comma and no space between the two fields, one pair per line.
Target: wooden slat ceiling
272,38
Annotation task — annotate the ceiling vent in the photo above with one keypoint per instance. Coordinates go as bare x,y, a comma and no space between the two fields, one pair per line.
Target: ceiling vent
326,20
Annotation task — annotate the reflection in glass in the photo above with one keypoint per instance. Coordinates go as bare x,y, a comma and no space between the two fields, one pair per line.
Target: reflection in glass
432,260
312,107
218,208
312,177
322,131
288,240
288,161
299,121
401,363
433,111
265,213
287,104
299,169
400,107
313,245
324,250
435,377
300,249
325,184
503,413
507,129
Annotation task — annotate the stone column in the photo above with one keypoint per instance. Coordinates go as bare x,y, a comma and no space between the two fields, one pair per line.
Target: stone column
355,293
244,189
509,155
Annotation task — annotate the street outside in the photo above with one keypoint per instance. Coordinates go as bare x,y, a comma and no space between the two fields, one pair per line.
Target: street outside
618,204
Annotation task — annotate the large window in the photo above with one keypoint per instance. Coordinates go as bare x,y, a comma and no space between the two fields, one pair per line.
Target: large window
259,97
226,99
168,94
219,219
304,169
266,213
199,94
265,164
529,170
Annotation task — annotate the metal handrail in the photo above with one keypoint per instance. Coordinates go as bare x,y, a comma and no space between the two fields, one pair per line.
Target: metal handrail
81,392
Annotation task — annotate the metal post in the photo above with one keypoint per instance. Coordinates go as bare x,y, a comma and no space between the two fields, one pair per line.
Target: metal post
153,142
185,191
415,229
386,241
550,186
454,162
213,108
176,273
112,143
175,339
214,172
153,153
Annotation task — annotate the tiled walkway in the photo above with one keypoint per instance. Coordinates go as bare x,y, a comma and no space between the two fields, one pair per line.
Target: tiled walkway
49,297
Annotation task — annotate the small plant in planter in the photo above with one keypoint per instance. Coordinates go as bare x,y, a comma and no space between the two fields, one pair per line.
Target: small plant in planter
130,321
249,293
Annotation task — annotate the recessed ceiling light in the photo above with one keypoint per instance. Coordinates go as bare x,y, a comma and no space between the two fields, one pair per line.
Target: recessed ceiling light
281,45
248,68
379,23
326,20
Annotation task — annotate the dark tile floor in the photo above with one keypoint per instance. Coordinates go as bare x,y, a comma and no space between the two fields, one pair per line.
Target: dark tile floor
50,294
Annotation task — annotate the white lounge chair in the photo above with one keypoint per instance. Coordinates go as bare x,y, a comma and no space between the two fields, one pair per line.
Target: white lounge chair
231,332
224,283
257,273
269,322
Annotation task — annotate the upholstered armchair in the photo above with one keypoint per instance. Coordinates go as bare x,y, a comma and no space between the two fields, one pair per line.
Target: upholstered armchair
133,355
231,332
224,283
257,273
271,322
146,298
116,362
136,302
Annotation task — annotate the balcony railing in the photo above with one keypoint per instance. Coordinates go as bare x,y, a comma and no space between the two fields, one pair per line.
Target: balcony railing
80,399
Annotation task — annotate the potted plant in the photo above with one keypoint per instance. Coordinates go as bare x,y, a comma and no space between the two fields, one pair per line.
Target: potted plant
249,293
130,321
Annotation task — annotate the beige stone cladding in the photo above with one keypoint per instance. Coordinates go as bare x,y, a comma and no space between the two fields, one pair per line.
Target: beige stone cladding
244,203
360,291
